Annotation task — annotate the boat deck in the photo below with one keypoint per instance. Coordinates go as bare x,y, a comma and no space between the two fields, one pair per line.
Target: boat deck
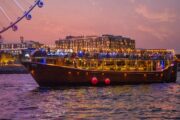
120,65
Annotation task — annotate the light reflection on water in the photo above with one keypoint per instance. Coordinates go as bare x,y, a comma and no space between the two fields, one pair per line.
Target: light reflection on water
20,98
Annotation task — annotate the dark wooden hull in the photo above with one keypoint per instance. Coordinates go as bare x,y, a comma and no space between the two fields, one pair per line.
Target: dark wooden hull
178,62
178,65
54,76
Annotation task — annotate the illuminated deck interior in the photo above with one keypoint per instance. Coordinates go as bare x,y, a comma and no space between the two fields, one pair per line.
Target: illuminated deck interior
108,64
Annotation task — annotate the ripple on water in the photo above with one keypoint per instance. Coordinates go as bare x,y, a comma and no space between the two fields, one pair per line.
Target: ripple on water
22,99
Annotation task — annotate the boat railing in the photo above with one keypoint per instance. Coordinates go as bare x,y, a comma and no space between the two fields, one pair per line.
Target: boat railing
109,64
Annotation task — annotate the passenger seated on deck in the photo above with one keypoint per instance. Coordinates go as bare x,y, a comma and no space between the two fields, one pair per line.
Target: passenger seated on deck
73,55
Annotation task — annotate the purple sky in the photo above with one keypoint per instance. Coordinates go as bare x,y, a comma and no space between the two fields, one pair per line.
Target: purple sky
152,23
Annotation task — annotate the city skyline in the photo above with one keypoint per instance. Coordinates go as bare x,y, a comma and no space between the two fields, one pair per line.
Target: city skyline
152,24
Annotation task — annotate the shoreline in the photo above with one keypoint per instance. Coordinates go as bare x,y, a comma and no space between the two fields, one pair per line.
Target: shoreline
13,69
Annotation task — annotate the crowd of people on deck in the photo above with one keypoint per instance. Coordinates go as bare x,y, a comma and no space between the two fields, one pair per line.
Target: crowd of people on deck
165,55
140,54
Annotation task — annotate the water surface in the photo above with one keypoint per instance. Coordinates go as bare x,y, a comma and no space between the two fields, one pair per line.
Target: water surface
22,99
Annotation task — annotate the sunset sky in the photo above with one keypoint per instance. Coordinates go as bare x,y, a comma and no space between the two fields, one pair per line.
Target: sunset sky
152,23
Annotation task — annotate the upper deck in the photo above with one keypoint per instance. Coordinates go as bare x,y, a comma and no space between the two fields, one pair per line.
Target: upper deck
128,60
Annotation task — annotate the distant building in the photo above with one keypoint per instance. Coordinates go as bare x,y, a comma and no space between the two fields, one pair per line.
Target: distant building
17,48
95,43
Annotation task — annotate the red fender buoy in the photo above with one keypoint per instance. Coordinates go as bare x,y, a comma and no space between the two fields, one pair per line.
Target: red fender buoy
94,81
107,81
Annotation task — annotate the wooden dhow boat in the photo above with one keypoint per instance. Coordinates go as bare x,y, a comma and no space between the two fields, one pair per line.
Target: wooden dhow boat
56,71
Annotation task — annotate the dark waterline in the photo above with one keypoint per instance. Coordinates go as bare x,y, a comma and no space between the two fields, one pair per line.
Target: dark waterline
22,99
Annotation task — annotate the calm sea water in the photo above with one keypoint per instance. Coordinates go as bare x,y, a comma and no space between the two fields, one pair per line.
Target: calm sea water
22,99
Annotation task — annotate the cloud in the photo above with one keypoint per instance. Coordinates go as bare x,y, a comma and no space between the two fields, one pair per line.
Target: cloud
93,2
164,16
96,5
132,1
160,33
